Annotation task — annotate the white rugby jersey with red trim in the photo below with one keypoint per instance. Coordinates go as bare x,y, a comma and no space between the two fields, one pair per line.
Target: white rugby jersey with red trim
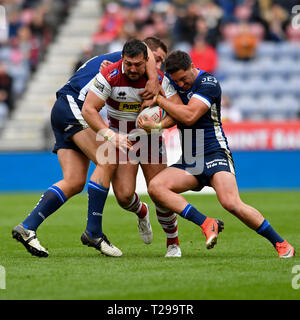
121,94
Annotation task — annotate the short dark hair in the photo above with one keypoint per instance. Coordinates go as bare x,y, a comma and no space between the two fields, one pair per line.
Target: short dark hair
154,43
178,60
133,48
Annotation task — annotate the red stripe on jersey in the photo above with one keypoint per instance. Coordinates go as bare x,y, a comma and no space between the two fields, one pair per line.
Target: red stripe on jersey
113,103
115,123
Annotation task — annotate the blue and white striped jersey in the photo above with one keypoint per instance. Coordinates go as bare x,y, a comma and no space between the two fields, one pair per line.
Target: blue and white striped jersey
207,89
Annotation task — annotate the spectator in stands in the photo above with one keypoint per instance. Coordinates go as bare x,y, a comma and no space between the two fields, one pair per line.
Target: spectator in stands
228,7
14,23
277,20
3,113
28,44
6,89
40,29
86,55
203,55
110,24
228,112
161,28
212,15
244,43
185,26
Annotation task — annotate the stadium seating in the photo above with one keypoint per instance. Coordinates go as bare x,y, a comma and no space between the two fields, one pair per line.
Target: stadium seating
268,86
32,112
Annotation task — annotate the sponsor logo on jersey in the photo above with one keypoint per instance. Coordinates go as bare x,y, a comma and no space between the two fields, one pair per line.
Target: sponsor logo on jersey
131,107
98,85
113,73
121,95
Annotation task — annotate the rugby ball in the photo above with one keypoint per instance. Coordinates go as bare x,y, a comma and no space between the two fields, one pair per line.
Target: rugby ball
156,113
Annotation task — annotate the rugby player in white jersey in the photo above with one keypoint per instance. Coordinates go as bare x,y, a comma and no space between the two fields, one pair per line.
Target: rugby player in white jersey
118,87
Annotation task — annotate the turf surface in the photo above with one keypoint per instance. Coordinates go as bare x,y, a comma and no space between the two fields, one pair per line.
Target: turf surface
243,265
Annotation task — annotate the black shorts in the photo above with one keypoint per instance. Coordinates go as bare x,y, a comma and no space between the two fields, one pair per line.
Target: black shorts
66,120
203,168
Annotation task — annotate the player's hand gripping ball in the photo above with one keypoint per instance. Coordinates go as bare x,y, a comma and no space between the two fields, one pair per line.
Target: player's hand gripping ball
156,113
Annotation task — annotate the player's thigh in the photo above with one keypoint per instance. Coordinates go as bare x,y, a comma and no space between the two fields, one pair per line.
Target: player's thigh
226,188
124,180
151,170
74,166
173,179
86,141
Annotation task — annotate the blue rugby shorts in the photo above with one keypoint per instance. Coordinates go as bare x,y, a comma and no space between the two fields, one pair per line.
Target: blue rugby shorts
204,167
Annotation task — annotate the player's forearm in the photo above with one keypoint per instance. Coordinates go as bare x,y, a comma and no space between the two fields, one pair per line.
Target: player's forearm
167,122
151,67
93,119
179,112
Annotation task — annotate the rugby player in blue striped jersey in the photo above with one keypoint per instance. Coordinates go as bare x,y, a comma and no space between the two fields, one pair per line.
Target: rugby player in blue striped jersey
206,158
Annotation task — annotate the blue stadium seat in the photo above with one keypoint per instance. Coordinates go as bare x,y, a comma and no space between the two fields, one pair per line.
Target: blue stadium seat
229,86
266,49
246,104
289,49
225,49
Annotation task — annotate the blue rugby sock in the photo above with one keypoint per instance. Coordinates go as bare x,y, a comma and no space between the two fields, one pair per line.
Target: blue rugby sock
97,197
192,214
50,201
269,233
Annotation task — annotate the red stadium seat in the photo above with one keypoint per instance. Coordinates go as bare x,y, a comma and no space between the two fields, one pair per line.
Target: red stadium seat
293,34
230,31
258,30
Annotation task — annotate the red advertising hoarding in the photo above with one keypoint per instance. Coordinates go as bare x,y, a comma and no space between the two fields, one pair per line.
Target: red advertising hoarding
253,136
263,135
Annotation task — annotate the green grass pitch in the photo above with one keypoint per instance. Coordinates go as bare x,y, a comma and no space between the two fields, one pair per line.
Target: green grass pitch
243,265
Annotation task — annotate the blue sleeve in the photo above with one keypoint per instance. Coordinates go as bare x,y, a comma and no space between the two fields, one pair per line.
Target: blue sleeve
113,57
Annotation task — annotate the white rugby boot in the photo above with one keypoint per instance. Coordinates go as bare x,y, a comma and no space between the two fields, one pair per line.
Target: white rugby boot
144,227
102,244
30,241
173,251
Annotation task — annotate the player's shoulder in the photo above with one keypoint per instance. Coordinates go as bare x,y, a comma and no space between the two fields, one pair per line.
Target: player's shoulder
112,72
161,76
208,82
206,78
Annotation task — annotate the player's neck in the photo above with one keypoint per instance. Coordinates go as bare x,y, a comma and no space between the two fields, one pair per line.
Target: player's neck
195,73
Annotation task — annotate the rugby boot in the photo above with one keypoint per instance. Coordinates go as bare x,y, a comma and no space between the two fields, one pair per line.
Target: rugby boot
102,244
211,229
285,250
144,227
173,251
30,241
